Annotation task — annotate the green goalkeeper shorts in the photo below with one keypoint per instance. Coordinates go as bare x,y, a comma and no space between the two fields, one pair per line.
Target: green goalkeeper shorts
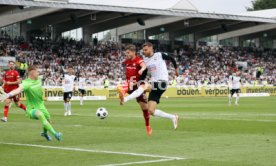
31,113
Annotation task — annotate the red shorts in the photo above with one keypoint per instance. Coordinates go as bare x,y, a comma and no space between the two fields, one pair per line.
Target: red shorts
14,98
142,98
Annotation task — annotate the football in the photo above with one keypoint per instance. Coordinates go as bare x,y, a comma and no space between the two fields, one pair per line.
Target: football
101,113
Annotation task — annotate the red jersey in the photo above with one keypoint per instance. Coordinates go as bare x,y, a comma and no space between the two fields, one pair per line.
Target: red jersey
132,68
10,76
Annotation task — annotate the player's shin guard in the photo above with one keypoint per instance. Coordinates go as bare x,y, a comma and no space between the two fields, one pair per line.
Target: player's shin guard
46,125
6,111
146,117
134,94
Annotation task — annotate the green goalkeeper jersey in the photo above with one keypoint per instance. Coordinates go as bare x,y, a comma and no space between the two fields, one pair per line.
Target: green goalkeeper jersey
34,93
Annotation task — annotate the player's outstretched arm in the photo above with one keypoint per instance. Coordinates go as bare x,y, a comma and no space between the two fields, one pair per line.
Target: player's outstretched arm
169,58
4,96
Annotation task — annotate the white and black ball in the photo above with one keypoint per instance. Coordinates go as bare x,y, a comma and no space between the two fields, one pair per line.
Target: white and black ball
101,113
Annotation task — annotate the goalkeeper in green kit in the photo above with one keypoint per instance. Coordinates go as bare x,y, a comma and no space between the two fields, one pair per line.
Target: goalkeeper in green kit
32,87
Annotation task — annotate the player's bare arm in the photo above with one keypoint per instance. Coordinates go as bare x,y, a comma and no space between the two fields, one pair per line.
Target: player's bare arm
12,93
143,68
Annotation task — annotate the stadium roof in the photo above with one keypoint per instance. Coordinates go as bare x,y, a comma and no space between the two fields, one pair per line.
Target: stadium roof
146,4
269,13
160,7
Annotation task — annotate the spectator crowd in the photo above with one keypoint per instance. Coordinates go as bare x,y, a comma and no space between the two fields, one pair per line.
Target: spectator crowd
206,65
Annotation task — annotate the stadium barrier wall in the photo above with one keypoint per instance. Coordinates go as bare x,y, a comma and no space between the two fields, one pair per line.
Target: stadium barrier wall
175,92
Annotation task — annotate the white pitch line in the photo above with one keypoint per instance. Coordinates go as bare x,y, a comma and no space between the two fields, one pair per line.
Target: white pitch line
93,151
139,162
206,118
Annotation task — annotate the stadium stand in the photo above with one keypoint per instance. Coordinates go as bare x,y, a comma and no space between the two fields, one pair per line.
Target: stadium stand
104,60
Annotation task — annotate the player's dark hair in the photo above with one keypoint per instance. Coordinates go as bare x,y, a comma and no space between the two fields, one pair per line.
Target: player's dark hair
131,47
12,62
32,67
149,44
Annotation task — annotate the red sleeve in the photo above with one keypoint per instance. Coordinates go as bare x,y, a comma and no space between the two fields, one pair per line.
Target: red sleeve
139,60
17,75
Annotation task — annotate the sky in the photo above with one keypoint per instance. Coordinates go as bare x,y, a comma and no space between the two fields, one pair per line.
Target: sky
218,6
222,6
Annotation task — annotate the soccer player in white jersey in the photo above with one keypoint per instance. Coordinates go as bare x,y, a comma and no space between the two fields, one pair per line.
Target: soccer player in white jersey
156,64
234,87
69,87
81,86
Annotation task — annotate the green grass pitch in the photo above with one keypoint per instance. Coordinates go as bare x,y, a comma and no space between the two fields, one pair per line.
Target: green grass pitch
210,133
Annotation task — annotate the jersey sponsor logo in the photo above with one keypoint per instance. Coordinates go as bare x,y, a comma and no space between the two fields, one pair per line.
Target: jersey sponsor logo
152,67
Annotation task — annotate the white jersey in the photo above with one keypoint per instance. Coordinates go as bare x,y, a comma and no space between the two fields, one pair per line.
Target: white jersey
157,67
235,82
69,81
81,82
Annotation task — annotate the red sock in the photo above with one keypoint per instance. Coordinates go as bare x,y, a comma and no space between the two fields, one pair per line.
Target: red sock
146,117
6,111
22,106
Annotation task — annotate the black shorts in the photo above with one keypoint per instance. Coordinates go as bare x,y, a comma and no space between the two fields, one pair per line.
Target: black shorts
233,91
141,98
67,95
158,88
82,91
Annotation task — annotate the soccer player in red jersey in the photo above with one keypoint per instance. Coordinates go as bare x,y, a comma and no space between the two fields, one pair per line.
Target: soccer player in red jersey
11,81
135,67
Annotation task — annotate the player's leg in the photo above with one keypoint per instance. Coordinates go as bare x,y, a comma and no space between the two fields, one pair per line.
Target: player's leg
230,96
6,110
159,113
154,99
122,90
81,96
146,114
69,107
142,100
141,89
45,134
81,99
37,114
65,96
17,102
69,103
237,97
